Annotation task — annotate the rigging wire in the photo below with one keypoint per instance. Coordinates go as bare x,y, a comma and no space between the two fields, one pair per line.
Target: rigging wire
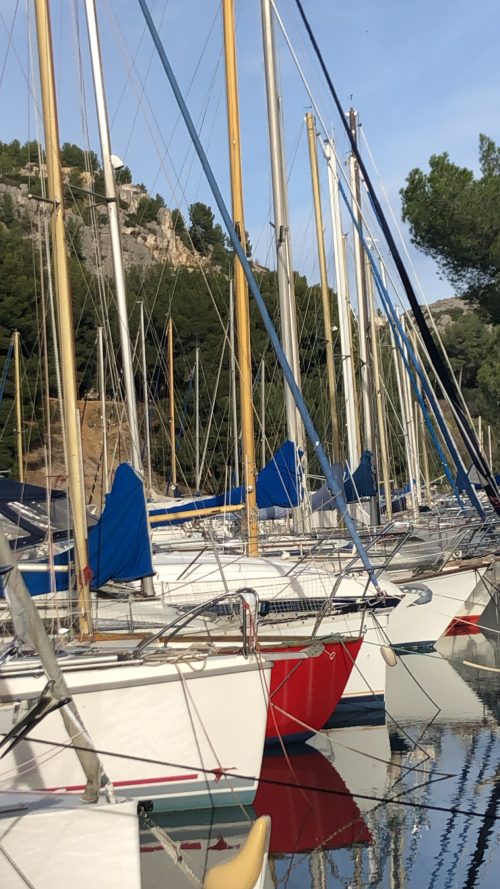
216,772
9,34
467,431
410,261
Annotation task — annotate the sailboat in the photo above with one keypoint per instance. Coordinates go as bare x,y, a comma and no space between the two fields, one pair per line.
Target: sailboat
53,826
171,738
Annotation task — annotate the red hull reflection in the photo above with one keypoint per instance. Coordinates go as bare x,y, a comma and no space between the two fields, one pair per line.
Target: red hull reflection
302,820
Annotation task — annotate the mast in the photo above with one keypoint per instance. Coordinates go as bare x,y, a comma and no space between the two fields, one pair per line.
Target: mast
364,356
325,293
19,416
281,227
145,396
263,411
115,237
116,249
102,390
240,286
65,309
363,315
344,310
234,406
318,869
378,397
171,402
421,424
400,371
350,313
416,494
197,419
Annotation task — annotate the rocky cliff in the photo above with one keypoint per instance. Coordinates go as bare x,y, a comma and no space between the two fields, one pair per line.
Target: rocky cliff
144,243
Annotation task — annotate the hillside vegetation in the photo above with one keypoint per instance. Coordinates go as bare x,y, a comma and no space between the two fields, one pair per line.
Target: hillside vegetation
176,266
179,267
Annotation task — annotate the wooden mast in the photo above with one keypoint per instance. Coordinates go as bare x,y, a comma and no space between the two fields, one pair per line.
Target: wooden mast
325,293
65,310
19,415
240,284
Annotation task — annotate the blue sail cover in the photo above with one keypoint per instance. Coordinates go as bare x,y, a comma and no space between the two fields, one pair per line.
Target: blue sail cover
363,482
119,545
322,500
278,484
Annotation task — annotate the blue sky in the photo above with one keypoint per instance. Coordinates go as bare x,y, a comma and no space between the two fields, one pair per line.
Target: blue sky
424,77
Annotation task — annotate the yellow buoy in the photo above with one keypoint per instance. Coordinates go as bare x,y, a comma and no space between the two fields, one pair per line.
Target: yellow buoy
243,871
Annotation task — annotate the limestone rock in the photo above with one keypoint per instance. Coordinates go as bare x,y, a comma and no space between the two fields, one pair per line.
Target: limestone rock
142,244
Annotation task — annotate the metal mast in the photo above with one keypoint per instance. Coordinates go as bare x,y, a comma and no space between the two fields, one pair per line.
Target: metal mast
147,438
114,229
325,293
281,227
344,313
19,415
234,406
263,411
65,310
363,316
197,420
364,355
116,248
171,403
240,284
102,392
377,387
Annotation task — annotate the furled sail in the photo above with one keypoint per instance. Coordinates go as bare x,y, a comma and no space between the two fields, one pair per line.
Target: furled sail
279,484
119,545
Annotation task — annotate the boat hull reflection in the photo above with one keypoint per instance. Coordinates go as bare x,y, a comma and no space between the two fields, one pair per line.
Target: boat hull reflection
302,820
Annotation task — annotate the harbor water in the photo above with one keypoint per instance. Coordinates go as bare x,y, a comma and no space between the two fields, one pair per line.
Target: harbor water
410,801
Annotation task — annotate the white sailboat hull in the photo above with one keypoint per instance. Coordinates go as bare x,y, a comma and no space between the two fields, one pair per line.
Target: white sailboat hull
187,718
415,626
55,840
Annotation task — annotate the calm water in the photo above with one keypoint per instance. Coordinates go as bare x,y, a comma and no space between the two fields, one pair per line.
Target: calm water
440,746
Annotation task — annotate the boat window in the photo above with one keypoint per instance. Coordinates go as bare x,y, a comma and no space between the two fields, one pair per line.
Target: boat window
10,529
36,513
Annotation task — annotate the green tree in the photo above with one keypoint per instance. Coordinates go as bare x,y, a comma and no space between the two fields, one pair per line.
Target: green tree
73,156
455,218
207,235
74,234
488,381
467,342
179,227
13,155
147,211
124,176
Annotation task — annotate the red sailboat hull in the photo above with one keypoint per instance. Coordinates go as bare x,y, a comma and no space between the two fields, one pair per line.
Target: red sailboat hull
306,690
